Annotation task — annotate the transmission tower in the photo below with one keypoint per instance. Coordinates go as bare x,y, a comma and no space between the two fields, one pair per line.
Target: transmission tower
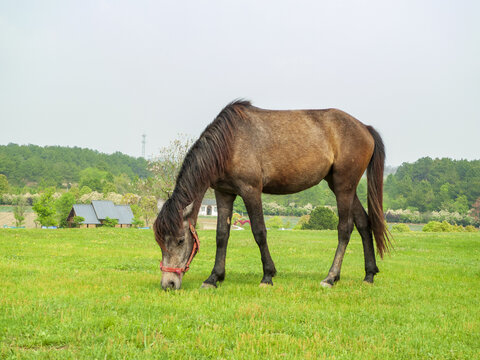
143,145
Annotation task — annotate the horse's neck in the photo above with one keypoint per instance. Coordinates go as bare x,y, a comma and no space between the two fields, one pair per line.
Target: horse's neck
197,203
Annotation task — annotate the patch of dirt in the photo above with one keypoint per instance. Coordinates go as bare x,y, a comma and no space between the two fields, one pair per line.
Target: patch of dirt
7,218
207,223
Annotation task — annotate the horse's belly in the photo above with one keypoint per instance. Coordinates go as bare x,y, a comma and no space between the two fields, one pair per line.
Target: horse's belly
293,181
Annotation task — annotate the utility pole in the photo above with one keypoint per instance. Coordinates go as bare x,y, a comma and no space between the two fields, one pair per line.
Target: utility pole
143,145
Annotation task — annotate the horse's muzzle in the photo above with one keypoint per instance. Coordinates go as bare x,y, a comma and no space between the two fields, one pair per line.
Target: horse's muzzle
171,281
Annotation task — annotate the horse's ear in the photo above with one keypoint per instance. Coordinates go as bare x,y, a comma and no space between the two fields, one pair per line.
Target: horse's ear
187,211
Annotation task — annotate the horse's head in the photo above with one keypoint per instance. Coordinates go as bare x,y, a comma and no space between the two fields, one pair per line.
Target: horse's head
178,249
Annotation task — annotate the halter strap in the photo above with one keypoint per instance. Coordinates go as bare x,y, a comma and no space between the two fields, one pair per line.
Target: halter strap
196,247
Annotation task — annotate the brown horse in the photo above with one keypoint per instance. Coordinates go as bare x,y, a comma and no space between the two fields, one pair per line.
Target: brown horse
246,151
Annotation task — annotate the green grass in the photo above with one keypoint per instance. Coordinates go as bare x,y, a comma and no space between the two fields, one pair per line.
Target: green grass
95,293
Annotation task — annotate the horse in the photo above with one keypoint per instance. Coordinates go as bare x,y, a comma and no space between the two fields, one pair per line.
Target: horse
247,151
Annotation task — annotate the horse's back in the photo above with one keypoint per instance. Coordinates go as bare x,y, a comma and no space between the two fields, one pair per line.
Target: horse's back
292,150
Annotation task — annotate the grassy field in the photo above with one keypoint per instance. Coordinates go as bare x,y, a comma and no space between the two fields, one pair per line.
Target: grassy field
95,294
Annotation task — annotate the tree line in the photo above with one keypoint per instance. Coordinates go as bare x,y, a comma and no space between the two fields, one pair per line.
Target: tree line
434,185
32,165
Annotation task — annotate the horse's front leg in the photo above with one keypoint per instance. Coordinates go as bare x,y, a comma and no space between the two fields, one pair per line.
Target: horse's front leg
224,219
253,203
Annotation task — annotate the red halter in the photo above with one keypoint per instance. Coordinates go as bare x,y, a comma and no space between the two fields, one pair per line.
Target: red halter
196,247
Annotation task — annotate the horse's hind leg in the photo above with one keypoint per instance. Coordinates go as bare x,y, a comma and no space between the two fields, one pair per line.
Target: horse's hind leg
224,208
345,228
253,203
360,218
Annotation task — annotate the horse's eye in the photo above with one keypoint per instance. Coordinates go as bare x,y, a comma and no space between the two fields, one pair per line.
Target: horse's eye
181,240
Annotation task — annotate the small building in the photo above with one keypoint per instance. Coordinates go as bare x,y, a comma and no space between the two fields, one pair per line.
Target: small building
208,208
96,213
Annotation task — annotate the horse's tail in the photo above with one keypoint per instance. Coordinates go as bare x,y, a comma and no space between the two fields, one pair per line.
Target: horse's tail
375,194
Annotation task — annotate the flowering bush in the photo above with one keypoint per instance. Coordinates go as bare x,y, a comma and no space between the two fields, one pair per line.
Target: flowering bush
130,199
404,216
272,208
451,217
415,217
12,199
116,198
87,198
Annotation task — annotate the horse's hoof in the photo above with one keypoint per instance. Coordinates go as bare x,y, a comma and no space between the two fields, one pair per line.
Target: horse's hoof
208,286
266,281
264,285
326,284
368,282
368,279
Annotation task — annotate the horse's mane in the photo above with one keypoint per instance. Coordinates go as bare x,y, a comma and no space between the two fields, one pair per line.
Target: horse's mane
204,163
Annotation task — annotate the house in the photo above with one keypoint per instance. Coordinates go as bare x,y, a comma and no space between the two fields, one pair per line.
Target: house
208,208
96,213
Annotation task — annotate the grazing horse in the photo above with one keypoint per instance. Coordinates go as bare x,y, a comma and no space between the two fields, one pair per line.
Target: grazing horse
246,151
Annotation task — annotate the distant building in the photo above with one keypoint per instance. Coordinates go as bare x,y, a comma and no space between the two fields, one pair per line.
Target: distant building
96,213
208,208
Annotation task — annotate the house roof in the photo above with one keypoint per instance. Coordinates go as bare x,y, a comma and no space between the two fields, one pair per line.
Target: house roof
209,202
87,212
104,209
100,209
125,214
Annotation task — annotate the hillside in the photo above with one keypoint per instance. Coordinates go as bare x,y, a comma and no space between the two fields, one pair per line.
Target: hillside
434,184
57,165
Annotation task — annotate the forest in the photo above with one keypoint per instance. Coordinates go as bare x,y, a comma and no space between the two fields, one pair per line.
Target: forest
59,166
433,185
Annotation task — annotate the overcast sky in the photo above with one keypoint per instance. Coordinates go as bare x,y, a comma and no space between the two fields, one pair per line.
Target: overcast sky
98,74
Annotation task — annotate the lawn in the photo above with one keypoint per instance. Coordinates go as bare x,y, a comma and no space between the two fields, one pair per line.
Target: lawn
95,293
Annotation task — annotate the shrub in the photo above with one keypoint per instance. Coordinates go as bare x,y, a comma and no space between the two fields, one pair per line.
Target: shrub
77,220
321,218
137,222
303,220
435,226
471,228
400,228
235,217
444,226
275,222
110,222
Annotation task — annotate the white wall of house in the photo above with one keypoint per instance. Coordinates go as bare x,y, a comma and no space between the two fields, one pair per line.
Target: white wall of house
208,210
